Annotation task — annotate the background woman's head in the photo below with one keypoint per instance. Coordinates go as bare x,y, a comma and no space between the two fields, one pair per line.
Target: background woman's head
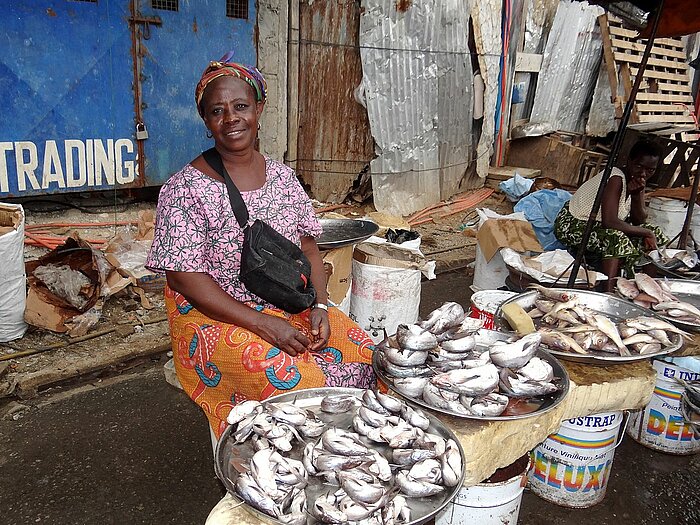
643,159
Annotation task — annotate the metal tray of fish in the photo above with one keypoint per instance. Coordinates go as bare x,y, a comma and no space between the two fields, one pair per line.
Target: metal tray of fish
342,232
517,408
613,307
231,457
688,291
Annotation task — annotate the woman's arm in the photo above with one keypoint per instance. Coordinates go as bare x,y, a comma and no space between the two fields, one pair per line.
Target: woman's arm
208,297
320,327
609,209
638,212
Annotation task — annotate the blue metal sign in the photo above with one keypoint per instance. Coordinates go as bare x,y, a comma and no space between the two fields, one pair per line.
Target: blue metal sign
100,94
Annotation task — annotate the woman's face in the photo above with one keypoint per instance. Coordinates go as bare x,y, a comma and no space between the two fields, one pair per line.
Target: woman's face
231,113
642,168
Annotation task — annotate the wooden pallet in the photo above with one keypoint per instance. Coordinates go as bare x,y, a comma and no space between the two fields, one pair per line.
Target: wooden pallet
665,93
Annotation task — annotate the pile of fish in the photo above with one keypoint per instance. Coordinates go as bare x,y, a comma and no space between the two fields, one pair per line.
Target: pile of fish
647,292
438,361
366,485
676,259
690,405
566,324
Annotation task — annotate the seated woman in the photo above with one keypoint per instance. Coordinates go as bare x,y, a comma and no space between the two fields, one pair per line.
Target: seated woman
228,344
620,232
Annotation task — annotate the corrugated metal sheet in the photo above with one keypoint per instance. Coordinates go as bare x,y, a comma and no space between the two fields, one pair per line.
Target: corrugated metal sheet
334,142
417,82
486,16
569,68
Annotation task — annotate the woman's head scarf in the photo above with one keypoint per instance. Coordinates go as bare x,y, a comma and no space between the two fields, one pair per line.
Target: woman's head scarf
225,67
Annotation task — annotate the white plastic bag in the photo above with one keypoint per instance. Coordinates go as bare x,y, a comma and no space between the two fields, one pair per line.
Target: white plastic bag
13,281
491,275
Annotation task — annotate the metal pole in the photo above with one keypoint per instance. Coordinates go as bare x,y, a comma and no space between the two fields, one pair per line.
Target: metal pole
683,239
615,149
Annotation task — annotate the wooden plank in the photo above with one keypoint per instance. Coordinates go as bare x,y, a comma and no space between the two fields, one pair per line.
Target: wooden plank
665,97
650,73
627,85
666,118
662,108
673,43
673,88
655,50
528,62
609,61
508,172
680,67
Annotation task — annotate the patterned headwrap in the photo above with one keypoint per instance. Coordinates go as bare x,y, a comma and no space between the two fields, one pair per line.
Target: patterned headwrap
224,67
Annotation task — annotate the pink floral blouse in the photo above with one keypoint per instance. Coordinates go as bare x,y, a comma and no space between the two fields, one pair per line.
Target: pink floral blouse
196,230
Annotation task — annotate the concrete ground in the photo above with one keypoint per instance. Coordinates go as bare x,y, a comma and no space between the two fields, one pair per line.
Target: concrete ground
134,450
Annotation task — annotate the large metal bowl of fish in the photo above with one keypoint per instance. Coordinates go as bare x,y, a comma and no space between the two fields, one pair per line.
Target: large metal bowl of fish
595,328
338,455
484,375
676,300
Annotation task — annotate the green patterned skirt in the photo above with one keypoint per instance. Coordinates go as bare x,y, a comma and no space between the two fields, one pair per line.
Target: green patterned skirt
605,242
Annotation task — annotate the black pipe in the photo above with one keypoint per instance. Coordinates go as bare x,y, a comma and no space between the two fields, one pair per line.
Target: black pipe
615,149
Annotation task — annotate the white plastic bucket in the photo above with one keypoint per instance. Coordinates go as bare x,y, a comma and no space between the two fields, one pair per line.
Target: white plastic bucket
489,503
385,292
660,425
571,468
486,302
668,215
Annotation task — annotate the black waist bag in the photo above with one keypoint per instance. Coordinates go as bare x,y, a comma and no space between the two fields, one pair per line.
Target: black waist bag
272,267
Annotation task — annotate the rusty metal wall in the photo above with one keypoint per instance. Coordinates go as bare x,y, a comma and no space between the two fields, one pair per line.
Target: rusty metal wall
334,141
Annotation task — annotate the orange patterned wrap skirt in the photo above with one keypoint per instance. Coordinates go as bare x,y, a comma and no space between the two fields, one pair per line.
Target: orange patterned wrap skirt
220,365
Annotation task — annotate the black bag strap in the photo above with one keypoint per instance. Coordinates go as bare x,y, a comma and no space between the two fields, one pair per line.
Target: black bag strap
213,158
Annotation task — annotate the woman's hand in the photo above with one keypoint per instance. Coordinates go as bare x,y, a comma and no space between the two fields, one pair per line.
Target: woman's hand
278,332
636,185
320,329
650,240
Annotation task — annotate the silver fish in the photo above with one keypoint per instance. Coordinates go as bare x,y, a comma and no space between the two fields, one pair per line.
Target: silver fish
474,382
649,286
467,327
324,509
405,357
251,493
430,441
338,441
555,294
333,462
441,356
427,470
626,331
374,418
416,489
287,413
355,512
409,456
337,403
606,326
451,464
390,403
361,426
679,305
380,467
243,410
439,398
537,370
262,473
647,348
516,385
308,458
463,344
449,315
650,323
369,399
312,427
413,337
396,511
627,288
544,305
403,371
660,336
360,491
583,339
490,405
415,417
410,386
515,354
638,338
535,313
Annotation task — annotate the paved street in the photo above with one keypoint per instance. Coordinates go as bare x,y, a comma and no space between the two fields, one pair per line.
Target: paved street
134,450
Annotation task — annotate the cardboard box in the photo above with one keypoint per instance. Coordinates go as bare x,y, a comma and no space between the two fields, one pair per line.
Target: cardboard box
338,265
495,234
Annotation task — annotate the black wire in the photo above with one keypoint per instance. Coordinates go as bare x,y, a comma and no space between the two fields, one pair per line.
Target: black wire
95,209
